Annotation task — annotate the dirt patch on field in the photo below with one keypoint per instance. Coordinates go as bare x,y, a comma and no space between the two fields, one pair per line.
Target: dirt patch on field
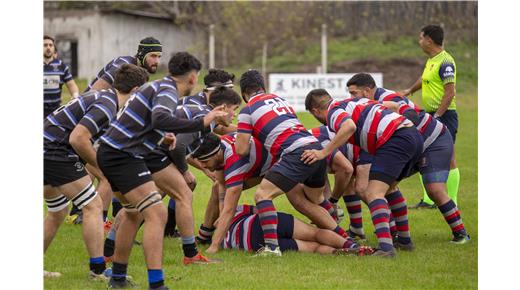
398,73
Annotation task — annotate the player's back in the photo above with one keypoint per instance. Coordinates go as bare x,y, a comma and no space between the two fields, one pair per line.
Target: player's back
238,234
271,120
107,73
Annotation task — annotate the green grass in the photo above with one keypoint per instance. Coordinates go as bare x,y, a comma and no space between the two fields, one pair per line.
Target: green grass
434,264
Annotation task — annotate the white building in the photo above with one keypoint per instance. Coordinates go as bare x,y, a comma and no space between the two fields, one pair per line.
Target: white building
88,39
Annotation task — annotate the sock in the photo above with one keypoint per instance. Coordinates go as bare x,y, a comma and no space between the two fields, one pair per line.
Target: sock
74,210
380,216
350,244
171,223
97,265
353,203
105,215
269,222
329,208
426,198
452,216
453,184
340,231
108,247
333,200
155,278
116,206
188,246
393,227
397,205
205,233
119,271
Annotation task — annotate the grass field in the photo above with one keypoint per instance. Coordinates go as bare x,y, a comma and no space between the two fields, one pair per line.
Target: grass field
434,264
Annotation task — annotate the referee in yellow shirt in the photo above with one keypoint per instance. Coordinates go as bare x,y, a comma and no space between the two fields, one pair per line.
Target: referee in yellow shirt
438,96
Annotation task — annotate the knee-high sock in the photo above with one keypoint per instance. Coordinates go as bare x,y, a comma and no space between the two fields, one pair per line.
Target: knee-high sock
452,216
397,205
453,184
380,217
269,222
353,203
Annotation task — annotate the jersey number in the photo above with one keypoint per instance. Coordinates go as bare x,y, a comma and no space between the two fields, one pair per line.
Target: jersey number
279,106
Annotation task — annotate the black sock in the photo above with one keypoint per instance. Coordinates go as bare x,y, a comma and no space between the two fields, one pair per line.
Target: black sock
171,223
108,247
119,271
116,207
105,214
333,200
155,285
97,265
190,250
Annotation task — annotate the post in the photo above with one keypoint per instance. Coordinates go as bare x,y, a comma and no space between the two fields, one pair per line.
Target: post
264,61
324,48
211,46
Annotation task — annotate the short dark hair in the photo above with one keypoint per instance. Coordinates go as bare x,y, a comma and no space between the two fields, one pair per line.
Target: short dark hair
48,37
208,145
362,80
315,99
435,32
217,76
129,76
251,81
182,63
222,95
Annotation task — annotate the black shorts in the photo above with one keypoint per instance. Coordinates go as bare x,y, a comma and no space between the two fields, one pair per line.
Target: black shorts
56,173
157,161
48,110
397,158
124,171
290,170
285,232
450,119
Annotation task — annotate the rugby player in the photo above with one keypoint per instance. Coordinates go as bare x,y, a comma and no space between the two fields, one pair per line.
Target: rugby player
55,74
67,147
147,120
394,142
438,149
273,122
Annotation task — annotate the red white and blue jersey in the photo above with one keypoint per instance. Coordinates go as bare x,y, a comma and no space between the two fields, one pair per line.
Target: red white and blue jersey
273,122
239,234
429,127
324,135
239,168
375,123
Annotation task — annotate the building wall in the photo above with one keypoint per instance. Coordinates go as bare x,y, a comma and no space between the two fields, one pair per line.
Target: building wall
102,37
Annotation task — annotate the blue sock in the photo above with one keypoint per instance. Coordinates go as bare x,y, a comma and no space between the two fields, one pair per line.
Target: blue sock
155,278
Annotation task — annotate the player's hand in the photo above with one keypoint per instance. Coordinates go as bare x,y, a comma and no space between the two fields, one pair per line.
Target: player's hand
404,93
188,177
210,174
217,113
311,156
170,139
212,249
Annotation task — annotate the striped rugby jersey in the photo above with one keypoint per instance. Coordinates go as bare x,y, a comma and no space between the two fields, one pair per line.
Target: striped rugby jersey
148,114
273,122
55,74
375,124
108,72
239,168
324,135
239,234
429,127
198,99
94,110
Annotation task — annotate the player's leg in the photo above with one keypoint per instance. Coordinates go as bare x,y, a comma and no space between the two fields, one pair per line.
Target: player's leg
317,214
264,195
399,219
353,205
306,232
210,216
57,209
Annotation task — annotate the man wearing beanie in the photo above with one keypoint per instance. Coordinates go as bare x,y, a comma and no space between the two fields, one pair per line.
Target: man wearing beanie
148,55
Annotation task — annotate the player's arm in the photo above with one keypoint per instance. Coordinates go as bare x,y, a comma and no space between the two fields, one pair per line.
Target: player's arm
100,84
196,163
449,93
343,171
346,129
244,131
414,88
242,145
79,139
403,109
226,217
223,130
73,88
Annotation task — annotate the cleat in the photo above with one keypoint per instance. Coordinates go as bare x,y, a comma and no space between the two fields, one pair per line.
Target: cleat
99,277
356,236
404,247
47,274
266,251
460,238
339,213
423,205
359,251
201,241
127,283
384,254
107,225
160,288
200,259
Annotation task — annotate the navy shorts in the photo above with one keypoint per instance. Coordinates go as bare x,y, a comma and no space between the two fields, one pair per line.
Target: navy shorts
290,170
434,164
122,170
285,232
364,158
450,119
56,173
397,158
